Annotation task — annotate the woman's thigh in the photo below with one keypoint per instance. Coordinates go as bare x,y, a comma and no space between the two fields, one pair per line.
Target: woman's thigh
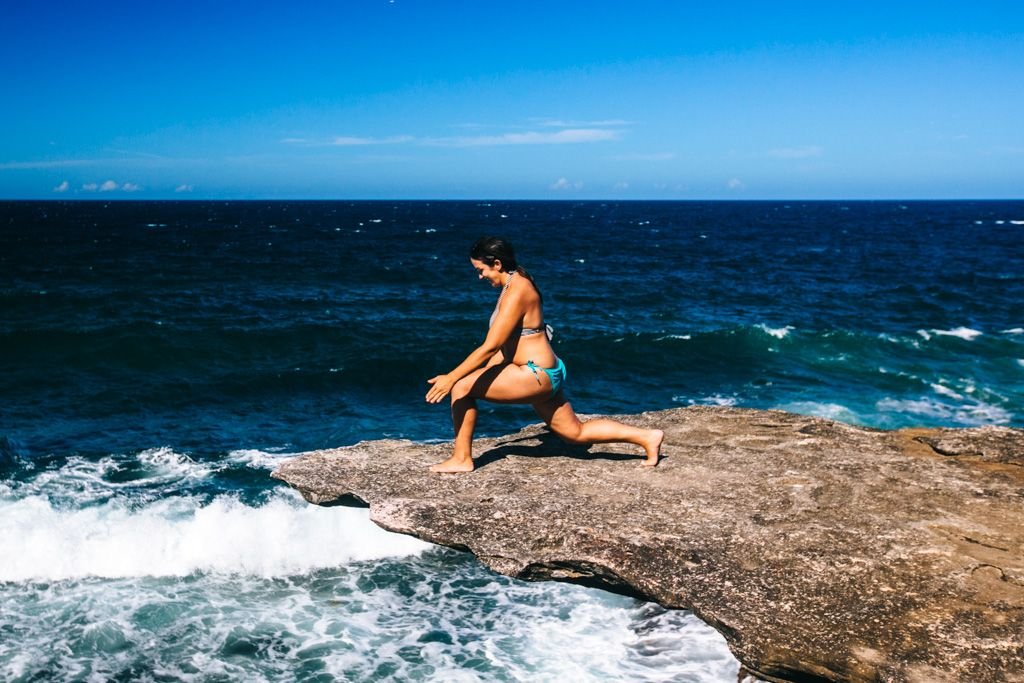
509,384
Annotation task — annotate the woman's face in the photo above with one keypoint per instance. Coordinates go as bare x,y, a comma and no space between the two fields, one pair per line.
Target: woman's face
492,274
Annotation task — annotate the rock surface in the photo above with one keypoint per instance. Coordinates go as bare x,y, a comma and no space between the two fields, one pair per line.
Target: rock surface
821,551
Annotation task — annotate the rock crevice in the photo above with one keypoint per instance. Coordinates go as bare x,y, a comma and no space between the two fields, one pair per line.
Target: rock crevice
821,551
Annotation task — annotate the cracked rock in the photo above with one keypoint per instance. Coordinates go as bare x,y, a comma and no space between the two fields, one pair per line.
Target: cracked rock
821,551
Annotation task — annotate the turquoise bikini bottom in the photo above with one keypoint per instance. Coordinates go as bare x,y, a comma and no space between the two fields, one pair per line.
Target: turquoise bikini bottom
557,374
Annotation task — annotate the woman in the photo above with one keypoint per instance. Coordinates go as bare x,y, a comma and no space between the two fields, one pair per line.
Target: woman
518,366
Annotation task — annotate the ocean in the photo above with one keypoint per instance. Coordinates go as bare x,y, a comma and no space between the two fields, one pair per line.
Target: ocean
159,359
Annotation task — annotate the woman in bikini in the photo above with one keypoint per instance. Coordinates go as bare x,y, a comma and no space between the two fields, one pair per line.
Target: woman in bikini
515,364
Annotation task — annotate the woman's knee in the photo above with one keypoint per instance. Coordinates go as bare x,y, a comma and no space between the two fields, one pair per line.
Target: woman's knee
461,389
573,433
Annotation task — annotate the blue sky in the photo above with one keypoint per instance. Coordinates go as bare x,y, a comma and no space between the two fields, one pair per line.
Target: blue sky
417,99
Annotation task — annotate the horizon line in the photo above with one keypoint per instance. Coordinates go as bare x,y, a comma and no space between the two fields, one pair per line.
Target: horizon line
507,199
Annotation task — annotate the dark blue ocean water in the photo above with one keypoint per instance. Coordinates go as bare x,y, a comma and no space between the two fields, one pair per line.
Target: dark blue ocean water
158,358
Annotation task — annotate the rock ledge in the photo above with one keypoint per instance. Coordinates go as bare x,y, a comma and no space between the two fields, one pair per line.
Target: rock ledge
822,551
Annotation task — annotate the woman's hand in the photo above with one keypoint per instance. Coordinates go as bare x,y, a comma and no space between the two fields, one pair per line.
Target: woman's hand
442,387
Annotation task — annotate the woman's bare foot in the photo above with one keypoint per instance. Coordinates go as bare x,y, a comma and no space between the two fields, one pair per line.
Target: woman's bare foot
454,464
653,447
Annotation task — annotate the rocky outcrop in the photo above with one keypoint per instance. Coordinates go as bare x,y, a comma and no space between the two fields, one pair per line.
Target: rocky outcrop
820,550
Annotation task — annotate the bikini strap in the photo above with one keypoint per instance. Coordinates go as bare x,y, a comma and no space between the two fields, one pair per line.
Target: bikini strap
504,287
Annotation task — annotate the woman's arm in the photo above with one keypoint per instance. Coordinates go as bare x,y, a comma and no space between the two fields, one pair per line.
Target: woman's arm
510,314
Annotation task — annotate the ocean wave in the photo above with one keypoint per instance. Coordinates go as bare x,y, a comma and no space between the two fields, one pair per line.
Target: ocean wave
178,537
943,390
965,333
143,476
831,411
971,414
715,400
777,332
438,615
257,459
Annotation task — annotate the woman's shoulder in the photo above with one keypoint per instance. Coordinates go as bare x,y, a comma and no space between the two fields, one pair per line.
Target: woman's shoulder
524,289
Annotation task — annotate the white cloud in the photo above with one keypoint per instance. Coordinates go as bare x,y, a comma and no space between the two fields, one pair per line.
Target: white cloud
345,141
566,136
654,156
621,185
184,188
566,184
63,187
55,163
111,186
796,152
562,137
604,123
735,184
348,141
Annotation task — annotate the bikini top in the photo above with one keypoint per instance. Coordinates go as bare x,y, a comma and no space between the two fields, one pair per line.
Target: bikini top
526,331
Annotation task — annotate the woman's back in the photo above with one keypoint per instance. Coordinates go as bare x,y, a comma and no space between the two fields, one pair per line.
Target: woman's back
529,341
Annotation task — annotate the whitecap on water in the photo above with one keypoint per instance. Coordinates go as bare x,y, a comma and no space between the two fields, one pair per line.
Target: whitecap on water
777,332
965,333
146,475
972,413
179,536
961,332
831,411
257,459
435,616
715,400
943,390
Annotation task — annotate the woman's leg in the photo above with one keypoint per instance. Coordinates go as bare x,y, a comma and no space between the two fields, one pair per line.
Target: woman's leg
500,384
559,415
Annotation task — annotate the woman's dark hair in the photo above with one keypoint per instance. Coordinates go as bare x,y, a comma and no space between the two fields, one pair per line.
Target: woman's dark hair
491,249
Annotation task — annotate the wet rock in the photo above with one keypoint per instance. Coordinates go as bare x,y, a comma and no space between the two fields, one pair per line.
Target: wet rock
822,551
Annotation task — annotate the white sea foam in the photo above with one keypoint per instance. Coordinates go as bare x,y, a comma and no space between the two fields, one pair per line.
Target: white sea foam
256,459
946,391
1014,330
176,537
164,464
715,400
1017,222
832,411
961,332
83,481
442,609
1020,361
777,332
972,413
